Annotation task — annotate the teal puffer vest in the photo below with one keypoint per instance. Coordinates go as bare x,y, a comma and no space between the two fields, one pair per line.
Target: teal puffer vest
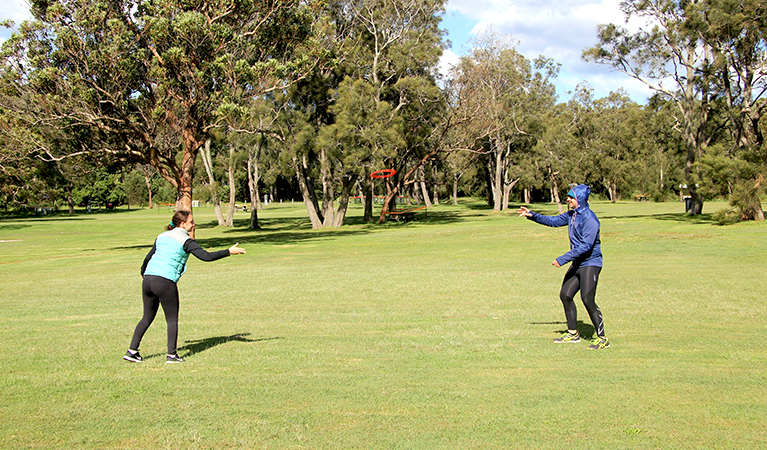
169,259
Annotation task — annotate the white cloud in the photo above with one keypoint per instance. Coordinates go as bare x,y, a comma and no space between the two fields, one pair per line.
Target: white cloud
449,59
557,29
16,10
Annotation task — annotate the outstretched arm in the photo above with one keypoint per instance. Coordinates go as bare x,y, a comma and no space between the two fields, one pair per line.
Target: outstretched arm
551,221
191,246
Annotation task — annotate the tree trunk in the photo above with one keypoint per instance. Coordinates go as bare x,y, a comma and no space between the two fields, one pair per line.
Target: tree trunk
507,187
555,190
328,190
612,190
254,175
368,191
343,202
307,192
253,178
70,202
497,179
148,182
207,161
692,133
390,196
424,190
185,183
456,177
147,171
527,196
416,192
232,190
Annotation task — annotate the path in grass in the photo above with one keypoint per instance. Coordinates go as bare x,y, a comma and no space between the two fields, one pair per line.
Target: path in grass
429,334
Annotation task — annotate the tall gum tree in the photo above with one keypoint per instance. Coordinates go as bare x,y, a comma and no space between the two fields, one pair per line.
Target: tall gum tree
509,96
349,121
670,57
736,31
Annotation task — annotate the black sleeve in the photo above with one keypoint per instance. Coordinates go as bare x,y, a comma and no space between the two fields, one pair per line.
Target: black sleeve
148,257
191,246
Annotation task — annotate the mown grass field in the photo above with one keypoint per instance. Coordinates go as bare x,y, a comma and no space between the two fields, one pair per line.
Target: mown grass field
433,334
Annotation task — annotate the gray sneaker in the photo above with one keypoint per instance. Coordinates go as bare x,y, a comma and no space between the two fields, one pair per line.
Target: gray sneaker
173,359
568,338
133,357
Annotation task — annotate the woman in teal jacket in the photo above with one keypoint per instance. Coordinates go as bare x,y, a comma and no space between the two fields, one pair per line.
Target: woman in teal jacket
586,257
162,268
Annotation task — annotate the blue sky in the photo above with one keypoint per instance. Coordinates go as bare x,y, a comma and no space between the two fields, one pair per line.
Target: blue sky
557,29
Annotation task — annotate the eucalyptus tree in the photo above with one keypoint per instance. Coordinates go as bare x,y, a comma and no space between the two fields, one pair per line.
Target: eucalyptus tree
365,131
665,150
459,164
350,119
147,172
263,117
151,78
401,47
672,59
736,31
557,157
619,134
708,56
509,96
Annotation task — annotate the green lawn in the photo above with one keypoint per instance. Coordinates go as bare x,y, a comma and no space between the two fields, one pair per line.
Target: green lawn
433,334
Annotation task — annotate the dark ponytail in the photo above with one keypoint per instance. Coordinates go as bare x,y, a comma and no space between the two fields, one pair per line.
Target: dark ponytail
178,217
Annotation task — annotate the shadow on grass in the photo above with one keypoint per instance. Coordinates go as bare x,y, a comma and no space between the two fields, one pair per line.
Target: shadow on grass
586,330
246,236
200,345
13,227
46,218
290,230
700,219
481,206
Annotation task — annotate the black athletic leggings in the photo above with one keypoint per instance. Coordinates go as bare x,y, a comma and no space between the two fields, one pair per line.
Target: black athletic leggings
584,279
158,291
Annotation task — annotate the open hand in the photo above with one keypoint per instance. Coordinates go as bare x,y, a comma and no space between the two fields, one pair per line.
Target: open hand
524,212
234,250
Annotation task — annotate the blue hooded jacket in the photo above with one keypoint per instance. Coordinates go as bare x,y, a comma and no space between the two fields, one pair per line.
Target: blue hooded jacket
583,228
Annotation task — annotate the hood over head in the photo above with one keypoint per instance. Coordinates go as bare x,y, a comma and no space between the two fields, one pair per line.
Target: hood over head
581,193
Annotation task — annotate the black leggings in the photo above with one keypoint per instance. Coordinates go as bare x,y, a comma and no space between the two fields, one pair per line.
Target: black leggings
584,279
158,291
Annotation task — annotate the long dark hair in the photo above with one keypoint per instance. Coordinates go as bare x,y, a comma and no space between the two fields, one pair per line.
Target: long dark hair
179,216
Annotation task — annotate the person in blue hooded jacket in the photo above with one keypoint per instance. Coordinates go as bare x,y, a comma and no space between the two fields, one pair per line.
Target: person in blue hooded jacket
586,257
162,268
